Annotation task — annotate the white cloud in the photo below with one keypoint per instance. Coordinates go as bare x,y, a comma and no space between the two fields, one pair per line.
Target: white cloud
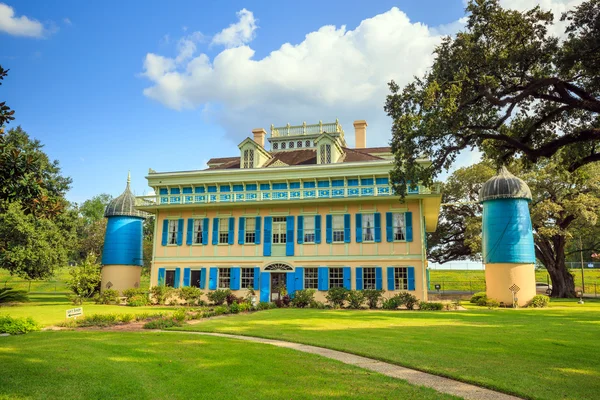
240,33
558,7
18,26
334,72
67,21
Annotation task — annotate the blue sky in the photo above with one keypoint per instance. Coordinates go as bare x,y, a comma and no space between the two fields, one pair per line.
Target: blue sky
115,86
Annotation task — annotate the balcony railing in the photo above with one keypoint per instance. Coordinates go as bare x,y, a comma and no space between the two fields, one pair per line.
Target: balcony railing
276,195
304,129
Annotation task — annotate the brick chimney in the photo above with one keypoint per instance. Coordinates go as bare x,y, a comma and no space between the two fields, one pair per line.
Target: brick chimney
360,134
259,136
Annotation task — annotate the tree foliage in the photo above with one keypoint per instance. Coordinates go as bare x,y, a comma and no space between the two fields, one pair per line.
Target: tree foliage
85,278
6,114
504,86
91,227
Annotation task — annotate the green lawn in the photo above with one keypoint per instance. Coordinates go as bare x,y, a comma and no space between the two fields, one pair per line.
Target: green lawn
49,309
148,365
535,353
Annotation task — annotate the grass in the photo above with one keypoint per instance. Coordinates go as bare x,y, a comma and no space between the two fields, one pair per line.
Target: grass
150,365
49,309
534,353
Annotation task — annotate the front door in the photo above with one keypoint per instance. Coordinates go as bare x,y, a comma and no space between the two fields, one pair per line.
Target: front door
277,283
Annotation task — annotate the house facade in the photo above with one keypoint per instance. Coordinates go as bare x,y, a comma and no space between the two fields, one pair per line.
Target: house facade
310,212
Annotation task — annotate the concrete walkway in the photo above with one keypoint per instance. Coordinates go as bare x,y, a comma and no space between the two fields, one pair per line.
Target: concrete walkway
414,377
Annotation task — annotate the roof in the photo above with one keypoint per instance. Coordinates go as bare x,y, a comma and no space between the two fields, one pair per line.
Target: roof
124,205
504,186
301,157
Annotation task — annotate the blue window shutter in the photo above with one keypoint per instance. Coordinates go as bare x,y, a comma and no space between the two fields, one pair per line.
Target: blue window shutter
215,235
165,232
347,281
202,278
177,277
267,245
323,283
389,227
241,231
265,287
358,228
290,283
289,237
377,228
186,276
411,278
231,230
257,231
180,232
299,278
205,231
161,277
300,229
378,278
409,226
347,235
190,231
317,229
212,279
428,279
390,279
328,228
256,278
235,278
359,278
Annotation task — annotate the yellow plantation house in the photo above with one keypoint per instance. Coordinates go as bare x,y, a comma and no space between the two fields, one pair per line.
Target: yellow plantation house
307,213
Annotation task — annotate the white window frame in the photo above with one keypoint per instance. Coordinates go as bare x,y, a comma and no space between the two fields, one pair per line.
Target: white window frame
311,278
337,233
172,231
366,237
198,233
325,153
167,271
399,227
279,230
308,231
336,277
224,230
247,278
224,277
248,161
250,234
369,278
400,278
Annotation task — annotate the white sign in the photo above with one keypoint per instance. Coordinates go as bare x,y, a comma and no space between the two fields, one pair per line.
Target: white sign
75,312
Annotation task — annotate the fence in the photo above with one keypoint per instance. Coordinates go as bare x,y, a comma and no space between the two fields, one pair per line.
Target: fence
37,286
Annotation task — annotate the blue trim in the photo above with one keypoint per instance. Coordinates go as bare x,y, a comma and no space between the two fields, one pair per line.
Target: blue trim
317,229
187,190
242,230
165,232
161,277
265,287
323,275
280,186
289,237
328,228
359,278
186,276
238,188
199,189
389,227
294,185
212,280
347,233
409,226
255,284
175,191
366,181
378,278
177,278
347,280
265,186
180,232
377,227
215,231
337,183
235,278
190,232
205,231
251,186
300,229
382,181
268,237
231,230
308,185
299,278
212,189
358,219
290,283
202,278
390,279
411,278
224,188
257,231
323,184
163,191
352,182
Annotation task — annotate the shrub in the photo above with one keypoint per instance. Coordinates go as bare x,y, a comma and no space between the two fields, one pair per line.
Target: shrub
232,298
263,306
129,293
407,300
9,295
162,323
453,305
179,315
491,304
220,310
482,301
391,304
191,295
303,298
85,278
234,308
75,299
425,306
126,318
138,300
16,326
337,296
373,297
245,307
107,296
218,296
148,316
356,298
161,293
475,298
539,301
283,301
317,304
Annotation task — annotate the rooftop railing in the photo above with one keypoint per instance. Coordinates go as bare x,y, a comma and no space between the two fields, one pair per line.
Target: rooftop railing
304,129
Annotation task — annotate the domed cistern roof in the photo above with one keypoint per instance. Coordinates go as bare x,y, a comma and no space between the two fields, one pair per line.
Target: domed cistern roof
124,205
504,186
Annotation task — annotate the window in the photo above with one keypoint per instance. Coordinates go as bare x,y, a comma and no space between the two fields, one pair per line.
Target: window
275,146
250,230
291,145
197,231
325,157
283,145
368,225
307,143
311,278
248,278
338,228
398,226
248,158
369,278
195,278
336,277
299,144
400,279
279,230
224,278
172,238
170,278
224,230
309,229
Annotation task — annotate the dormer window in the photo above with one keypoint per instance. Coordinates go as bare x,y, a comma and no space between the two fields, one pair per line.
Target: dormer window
248,161
275,146
283,145
291,145
299,144
325,155
307,143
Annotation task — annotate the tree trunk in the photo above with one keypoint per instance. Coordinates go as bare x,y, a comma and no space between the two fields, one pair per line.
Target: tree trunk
552,255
